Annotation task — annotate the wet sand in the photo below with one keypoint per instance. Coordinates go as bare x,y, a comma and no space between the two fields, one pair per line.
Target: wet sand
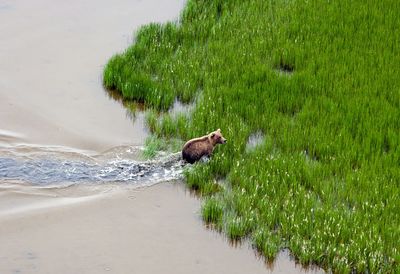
51,98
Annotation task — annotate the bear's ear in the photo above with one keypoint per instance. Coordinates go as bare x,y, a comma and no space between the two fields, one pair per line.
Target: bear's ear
219,130
212,135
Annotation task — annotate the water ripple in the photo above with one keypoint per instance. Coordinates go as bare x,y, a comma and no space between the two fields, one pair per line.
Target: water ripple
58,171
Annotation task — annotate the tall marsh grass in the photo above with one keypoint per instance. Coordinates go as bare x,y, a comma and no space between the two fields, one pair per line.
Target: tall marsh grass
319,80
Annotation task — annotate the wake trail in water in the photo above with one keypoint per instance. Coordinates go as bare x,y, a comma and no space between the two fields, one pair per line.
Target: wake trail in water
110,167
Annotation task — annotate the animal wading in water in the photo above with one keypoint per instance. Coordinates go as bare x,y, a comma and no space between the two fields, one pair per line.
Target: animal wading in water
197,148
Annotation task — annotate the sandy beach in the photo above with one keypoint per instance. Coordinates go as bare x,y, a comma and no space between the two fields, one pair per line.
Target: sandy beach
51,99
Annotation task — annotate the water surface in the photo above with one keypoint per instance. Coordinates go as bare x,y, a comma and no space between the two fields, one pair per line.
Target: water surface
52,55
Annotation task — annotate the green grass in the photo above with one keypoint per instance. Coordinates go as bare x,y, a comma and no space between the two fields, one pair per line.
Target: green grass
153,145
320,81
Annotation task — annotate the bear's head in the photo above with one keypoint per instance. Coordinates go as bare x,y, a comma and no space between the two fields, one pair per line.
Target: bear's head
217,138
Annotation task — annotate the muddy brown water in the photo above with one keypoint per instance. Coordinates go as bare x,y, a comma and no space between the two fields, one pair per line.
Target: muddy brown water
53,106
52,55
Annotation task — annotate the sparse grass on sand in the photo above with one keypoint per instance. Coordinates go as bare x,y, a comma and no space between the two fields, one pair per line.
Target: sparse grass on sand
319,82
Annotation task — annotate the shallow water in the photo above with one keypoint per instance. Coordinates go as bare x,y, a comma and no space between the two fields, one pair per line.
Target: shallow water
256,139
51,167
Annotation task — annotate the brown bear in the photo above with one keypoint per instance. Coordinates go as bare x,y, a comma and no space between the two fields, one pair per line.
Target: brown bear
197,148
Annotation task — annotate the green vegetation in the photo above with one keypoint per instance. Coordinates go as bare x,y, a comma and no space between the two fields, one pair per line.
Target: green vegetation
320,81
153,145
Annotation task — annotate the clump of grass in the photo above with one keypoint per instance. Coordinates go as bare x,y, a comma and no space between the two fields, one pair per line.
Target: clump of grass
325,181
236,227
154,145
267,243
212,211
166,125
199,178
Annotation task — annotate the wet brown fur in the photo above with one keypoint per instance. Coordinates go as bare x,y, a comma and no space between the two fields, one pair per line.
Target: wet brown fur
197,148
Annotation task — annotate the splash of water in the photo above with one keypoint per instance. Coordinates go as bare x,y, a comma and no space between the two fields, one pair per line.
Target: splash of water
58,171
